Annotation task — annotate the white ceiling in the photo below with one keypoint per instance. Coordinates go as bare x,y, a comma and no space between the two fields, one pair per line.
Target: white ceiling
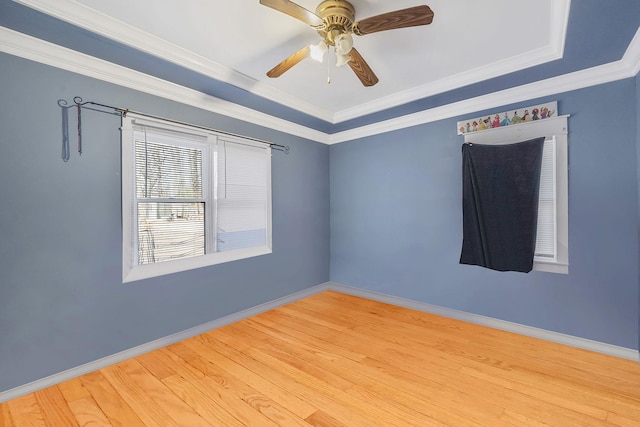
238,41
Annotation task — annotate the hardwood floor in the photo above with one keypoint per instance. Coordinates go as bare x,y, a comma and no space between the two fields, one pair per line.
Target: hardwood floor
338,360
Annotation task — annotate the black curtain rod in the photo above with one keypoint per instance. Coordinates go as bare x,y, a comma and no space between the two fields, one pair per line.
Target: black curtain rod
79,104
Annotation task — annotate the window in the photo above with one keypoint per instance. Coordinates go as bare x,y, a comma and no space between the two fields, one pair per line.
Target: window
552,247
191,198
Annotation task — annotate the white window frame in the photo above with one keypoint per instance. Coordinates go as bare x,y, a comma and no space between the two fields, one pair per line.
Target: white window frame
552,128
132,271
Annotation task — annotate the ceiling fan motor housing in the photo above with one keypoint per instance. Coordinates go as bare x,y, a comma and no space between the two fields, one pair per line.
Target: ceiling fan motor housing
338,17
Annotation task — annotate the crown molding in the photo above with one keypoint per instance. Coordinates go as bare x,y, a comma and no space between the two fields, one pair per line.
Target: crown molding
476,75
626,67
631,56
34,49
90,19
24,46
83,16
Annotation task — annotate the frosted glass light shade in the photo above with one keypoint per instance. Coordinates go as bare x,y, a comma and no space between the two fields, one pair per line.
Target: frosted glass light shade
342,59
344,44
318,51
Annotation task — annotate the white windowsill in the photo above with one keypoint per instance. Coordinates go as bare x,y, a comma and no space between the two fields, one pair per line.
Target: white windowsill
147,271
551,267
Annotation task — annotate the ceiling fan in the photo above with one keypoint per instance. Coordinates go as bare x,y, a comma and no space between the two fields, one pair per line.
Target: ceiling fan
334,20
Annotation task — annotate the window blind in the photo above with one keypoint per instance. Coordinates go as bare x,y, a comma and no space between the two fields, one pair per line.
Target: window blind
242,196
547,224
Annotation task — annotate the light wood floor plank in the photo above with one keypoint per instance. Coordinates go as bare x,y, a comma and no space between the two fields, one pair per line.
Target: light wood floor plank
206,403
241,400
111,403
310,364
287,332
620,420
484,407
390,406
516,419
574,398
341,412
5,416
25,411
159,364
321,419
338,360
319,387
73,390
150,412
360,376
282,396
58,412
158,393
87,413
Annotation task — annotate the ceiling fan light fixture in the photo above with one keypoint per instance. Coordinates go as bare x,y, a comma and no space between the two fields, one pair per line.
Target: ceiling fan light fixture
342,59
317,51
344,44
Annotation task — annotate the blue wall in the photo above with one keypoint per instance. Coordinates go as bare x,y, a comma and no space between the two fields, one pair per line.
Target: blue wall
62,302
396,222
638,157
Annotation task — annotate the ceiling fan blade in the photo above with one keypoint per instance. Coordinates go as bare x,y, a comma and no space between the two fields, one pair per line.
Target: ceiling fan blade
293,9
285,65
362,69
411,17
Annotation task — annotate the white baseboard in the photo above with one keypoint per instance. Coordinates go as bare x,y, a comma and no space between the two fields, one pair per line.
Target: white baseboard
613,350
587,344
155,344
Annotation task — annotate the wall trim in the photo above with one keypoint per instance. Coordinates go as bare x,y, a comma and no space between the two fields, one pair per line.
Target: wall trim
34,49
24,46
155,344
599,347
573,341
573,81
